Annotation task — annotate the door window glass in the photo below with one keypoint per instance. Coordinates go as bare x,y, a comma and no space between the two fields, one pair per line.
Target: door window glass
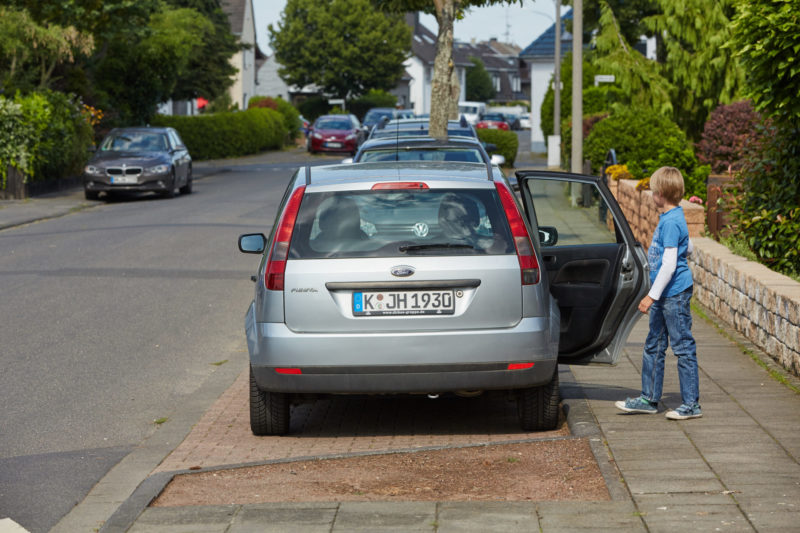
577,211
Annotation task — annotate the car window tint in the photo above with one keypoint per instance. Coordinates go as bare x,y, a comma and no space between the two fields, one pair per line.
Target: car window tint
576,210
135,142
400,223
450,154
334,124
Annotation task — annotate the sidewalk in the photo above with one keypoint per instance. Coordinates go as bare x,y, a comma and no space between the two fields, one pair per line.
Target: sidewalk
735,469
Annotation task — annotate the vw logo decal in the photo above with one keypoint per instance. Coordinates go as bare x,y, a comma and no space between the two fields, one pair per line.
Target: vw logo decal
402,271
421,229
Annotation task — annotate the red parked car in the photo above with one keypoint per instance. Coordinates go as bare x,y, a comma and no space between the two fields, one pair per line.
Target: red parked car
335,133
493,121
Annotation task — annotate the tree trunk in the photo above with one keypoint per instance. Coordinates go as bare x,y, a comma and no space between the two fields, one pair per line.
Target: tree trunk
444,84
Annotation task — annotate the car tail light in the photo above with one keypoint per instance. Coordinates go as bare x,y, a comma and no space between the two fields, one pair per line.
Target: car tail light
276,265
394,185
528,264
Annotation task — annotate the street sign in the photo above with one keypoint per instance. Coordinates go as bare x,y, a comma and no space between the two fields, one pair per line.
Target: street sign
603,78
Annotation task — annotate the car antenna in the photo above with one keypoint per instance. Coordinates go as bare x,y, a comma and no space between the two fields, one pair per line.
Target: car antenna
396,141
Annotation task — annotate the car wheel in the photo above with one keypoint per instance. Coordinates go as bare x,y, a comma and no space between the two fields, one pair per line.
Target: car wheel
170,192
269,411
91,195
187,189
537,407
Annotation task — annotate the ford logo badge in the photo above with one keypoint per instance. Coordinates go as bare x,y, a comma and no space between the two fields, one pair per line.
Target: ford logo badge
402,271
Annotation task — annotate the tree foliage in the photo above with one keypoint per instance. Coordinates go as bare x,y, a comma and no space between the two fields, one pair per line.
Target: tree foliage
30,52
209,72
638,77
445,88
345,47
161,58
629,13
702,73
479,84
766,38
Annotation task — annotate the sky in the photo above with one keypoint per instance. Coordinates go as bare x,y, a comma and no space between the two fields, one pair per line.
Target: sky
517,24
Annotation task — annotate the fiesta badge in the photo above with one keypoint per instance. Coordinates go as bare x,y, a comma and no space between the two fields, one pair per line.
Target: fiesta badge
402,271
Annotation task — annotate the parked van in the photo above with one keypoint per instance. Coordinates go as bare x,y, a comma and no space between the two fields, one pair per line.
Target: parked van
472,111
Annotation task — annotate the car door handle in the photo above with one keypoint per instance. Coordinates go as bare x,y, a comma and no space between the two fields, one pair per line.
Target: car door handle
551,259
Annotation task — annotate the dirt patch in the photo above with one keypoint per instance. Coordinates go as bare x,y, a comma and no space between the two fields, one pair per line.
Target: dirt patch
539,471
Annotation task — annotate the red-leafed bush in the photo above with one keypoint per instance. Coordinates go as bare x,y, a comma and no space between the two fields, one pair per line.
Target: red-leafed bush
730,131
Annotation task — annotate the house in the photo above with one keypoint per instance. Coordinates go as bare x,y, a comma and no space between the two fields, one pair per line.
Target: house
540,58
502,63
243,26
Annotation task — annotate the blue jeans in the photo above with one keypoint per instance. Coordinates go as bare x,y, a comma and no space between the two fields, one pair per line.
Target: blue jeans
671,322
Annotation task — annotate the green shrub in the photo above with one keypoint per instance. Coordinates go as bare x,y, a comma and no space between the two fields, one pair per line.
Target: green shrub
374,98
291,116
314,107
228,134
644,141
507,143
63,135
44,134
16,138
767,215
727,134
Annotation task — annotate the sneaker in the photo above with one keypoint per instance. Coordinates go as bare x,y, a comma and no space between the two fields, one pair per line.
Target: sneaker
637,405
685,412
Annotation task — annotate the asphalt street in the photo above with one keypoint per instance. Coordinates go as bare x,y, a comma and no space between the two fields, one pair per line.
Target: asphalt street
112,316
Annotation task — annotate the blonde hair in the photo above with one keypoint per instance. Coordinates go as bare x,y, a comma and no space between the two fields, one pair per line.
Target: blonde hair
668,182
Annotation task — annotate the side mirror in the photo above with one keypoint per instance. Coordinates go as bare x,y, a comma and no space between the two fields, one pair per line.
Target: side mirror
490,147
498,160
548,235
252,243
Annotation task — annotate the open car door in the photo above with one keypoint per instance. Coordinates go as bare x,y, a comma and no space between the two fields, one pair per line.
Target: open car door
596,270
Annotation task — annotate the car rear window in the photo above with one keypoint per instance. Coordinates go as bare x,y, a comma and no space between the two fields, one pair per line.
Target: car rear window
464,155
400,223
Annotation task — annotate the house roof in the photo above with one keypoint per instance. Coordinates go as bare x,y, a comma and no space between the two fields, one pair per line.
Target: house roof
423,43
235,10
543,47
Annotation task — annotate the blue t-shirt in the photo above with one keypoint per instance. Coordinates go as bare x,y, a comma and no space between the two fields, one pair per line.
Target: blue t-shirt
671,232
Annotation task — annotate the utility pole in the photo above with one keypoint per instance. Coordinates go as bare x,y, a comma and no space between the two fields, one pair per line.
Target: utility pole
554,142
576,165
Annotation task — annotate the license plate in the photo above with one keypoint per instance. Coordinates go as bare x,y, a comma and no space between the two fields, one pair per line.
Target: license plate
123,180
381,303
333,145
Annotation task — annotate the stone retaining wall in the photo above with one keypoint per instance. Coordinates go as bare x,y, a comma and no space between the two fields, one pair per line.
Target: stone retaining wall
762,305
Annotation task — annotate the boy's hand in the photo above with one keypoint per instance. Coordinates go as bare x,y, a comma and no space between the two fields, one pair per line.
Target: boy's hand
644,305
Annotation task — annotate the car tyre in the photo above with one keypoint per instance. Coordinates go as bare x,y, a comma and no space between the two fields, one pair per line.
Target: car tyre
91,195
170,192
269,411
187,189
537,407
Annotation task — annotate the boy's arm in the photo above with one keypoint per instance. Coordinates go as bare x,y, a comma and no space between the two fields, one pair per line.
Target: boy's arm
669,263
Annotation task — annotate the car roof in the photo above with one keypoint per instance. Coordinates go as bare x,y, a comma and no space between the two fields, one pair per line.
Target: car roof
152,129
452,141
361,176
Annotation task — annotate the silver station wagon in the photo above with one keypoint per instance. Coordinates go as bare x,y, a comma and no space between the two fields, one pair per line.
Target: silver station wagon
432,278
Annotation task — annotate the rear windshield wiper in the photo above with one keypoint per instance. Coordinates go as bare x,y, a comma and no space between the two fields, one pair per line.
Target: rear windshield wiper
415,247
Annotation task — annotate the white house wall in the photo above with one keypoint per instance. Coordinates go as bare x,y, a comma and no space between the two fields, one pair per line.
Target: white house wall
245,62
541,73
269,83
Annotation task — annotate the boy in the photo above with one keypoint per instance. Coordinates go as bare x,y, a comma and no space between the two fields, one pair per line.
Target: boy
668,304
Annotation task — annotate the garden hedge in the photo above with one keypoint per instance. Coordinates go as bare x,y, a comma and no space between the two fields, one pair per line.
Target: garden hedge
507,143
228,134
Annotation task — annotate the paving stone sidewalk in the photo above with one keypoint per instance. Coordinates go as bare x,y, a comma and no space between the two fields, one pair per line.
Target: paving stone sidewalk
735,469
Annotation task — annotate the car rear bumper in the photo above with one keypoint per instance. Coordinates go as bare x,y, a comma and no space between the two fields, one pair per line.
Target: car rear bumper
426,362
